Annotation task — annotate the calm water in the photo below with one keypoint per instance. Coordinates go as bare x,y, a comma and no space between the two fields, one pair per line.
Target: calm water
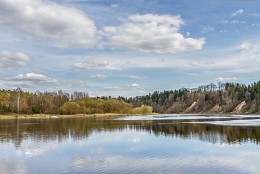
137,144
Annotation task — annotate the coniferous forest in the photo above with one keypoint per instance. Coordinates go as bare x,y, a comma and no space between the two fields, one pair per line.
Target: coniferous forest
209,99
221,99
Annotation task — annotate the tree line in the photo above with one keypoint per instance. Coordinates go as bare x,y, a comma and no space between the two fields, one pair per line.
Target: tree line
20,102
207,99
222,99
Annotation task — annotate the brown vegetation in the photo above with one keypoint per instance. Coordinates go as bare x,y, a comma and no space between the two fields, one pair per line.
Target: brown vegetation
20,102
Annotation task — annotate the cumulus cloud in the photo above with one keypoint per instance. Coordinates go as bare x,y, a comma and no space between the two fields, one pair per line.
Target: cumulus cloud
98,76
221,79
91,64
13,59
64,26
31,80
151,33
238,12
40,19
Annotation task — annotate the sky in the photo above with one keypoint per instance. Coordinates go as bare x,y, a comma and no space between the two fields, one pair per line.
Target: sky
127,48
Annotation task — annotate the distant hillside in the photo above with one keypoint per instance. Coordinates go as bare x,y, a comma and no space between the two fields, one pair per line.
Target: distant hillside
208,99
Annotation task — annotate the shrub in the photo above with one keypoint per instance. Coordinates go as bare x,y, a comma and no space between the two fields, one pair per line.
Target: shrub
69,108
145,110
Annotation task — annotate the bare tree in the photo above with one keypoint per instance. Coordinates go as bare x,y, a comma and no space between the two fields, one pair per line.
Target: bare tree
18,90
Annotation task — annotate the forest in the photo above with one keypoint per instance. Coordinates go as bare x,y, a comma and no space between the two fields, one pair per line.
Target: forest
20,102
208,99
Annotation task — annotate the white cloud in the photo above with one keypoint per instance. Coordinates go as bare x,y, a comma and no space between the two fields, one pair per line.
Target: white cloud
201,63
96,64
151,33
116,63
111,88
98,76
245,46
134,85
221,79
238,12
60,46
29,80
46,20
250,49
135,77
91,64
243,58
12,59
64,26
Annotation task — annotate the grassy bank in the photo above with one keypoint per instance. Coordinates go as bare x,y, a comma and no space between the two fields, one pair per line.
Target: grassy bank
44,116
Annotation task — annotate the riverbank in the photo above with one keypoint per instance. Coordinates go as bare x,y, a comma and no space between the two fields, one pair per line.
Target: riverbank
100,116
55,116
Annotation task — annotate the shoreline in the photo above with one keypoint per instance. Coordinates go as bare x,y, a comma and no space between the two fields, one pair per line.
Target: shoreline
56,116
106,115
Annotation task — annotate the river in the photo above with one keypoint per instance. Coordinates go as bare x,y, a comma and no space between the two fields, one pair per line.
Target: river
131,145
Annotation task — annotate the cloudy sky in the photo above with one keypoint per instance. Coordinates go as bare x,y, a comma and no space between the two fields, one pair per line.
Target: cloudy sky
122,47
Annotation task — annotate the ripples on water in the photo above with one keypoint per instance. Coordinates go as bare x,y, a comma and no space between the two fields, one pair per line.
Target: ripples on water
136,144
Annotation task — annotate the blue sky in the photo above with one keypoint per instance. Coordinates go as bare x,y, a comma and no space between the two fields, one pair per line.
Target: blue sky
129,48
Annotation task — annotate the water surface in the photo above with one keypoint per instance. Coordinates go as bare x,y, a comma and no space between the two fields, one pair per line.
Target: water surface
136,144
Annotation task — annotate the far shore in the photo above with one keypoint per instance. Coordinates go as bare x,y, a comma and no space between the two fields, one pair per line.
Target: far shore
101,116
54,116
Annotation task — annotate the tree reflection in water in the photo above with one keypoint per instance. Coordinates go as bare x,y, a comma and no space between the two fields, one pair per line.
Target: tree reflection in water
16,131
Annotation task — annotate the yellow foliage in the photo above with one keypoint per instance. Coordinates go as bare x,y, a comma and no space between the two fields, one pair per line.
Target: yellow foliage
95,106
69,108
145,110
